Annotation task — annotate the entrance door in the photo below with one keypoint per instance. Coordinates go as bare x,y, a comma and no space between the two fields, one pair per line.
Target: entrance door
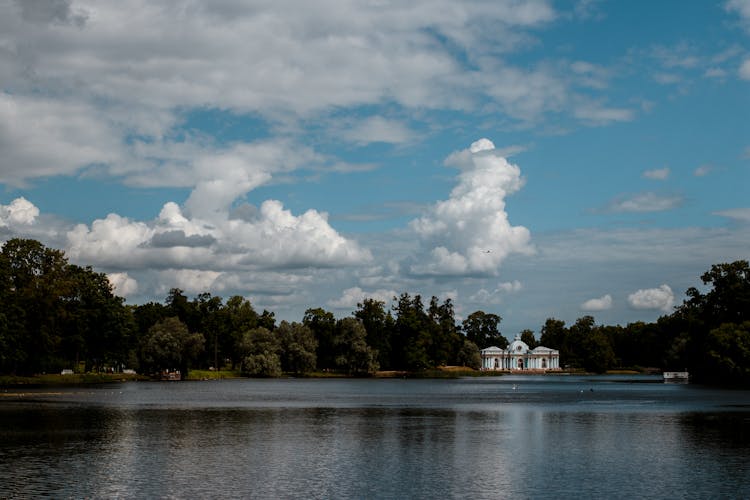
520,364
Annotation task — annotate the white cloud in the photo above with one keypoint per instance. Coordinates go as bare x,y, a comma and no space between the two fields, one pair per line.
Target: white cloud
738,214
660,298
603,303
275,238
744,70
42,136
483,296
470,232
123,284
645,202
598,114
741,8
355,295
658,174
378,129
20,212
105,87
703,170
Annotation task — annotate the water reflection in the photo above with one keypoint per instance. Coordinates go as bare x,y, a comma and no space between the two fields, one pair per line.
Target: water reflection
378,439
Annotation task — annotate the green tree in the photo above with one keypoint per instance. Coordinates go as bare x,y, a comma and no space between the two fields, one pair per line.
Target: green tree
445,340
553,334
729,354
482,329
240,316
260,351
411,341
726,302
169,345
469,355
297,346
35,283
353,355
378,324
527,336
323,325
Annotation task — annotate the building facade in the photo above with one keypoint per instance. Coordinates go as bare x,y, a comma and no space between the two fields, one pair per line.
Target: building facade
519,357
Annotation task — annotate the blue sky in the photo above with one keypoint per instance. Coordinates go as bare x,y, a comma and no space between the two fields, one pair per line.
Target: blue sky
531,159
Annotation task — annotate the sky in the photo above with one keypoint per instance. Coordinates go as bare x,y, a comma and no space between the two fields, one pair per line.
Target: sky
531,159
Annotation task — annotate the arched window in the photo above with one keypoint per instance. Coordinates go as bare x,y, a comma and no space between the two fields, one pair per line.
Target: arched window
544,363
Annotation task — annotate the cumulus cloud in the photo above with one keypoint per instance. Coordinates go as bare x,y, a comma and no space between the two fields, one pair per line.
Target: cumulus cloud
645,202
599,304
123,284
470,232
658,174
274,239
20,212
660,298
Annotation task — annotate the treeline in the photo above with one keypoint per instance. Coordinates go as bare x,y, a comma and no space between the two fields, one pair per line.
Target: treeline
57,315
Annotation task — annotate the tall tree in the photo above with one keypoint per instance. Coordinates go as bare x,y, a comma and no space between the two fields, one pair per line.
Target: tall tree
353,355
411,340
378,324
297,347
323,325
527,336
482,329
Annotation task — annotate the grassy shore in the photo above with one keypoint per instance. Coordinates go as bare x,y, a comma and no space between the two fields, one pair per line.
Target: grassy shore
76,378
443,372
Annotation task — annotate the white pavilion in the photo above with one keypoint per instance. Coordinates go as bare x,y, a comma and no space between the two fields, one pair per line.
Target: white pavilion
519,357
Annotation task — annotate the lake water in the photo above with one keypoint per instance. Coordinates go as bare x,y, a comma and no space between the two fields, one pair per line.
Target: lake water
512,436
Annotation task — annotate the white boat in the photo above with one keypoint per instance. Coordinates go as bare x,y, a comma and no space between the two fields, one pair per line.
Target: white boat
676,376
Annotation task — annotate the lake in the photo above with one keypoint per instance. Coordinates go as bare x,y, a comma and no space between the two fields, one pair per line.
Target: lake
494,437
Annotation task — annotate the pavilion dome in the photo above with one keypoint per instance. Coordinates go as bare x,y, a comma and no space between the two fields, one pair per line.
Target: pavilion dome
518,346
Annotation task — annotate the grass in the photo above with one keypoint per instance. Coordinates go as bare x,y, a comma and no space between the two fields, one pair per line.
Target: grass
76,378
212,374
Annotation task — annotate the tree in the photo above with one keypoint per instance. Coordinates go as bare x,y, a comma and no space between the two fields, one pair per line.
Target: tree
445,340
353,355
239,316
297,346
726,302
553,334
169,345
469,355
379,327
482,329
323,324
527,336
35,283
411,340
729,354
260,349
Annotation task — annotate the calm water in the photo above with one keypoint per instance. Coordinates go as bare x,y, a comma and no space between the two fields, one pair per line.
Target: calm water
527,437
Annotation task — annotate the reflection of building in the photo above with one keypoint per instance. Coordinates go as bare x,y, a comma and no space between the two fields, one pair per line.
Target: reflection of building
518,356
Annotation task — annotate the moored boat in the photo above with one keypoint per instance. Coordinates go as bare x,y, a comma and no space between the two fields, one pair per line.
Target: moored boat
682,376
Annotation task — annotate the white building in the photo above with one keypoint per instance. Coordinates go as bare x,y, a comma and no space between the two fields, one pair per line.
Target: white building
518,357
